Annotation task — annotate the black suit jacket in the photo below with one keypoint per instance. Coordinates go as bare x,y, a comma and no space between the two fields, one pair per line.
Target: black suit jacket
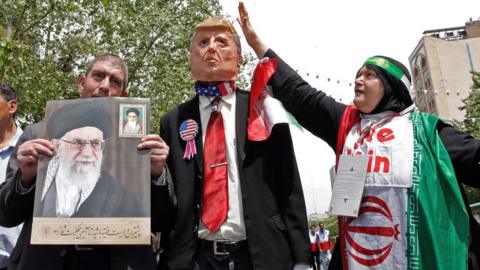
16,208
273,204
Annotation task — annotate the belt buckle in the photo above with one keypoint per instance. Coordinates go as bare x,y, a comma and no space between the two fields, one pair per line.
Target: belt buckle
223,252
83,248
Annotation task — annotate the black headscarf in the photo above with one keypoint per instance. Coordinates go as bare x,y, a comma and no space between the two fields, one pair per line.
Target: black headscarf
396,96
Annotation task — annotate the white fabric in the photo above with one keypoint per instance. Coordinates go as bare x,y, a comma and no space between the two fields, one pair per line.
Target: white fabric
323,236
4,158
234,227
132,128
395,241
381,226
390,161
313,237
73,188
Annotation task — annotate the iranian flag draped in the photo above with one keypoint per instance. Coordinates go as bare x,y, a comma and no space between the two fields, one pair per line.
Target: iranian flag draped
265,111
421,226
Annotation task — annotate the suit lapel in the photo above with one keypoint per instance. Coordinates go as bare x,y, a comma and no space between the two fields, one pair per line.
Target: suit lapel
190,111
241,120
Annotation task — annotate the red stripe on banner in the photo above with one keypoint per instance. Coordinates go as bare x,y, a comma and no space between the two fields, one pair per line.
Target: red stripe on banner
373,209
350,117
231,88
226,88
374,261
366,251
257,129
380,231
380,202
222,88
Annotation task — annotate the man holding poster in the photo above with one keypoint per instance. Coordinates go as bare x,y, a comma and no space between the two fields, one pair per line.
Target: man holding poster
106,76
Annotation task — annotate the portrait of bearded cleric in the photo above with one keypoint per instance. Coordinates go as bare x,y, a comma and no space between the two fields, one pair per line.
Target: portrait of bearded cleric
77,182
132,120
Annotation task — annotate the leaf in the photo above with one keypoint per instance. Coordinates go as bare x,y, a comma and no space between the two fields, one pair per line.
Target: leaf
63,37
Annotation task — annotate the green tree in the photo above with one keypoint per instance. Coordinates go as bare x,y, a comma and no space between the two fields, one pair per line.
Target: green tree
51,42
471,125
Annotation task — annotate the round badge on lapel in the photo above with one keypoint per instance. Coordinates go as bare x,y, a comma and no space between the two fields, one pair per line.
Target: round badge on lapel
188,131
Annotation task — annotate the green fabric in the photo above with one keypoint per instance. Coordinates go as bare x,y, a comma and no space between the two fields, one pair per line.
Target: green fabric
435,204
386,65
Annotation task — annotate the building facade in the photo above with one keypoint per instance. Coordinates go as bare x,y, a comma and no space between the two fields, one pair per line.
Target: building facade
441,64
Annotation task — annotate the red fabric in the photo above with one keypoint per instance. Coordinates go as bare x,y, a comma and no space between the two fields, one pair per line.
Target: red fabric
313,247
350,117
215,187
324,246
257,128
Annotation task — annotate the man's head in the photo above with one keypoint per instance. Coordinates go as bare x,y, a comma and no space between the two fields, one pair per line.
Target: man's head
81,151
321,225
8,102
132,114
215,51
312,228
80,142
107,75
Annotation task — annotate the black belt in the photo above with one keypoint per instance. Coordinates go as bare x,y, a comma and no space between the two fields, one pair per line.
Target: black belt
223,247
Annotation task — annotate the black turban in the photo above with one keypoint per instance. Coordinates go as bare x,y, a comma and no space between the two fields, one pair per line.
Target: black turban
134,110
79,115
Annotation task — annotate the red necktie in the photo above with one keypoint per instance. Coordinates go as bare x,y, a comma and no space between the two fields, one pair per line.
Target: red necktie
215,186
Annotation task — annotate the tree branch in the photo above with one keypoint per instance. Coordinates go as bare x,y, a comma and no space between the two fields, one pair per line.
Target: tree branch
18,34
139,62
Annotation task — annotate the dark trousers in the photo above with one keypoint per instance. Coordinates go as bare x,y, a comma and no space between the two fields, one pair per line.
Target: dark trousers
315,260
205,259
87,258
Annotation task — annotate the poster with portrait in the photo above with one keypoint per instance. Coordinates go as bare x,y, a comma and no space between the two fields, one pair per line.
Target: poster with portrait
95,189
132,120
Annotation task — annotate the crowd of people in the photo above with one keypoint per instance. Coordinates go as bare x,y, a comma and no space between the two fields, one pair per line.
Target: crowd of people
222,201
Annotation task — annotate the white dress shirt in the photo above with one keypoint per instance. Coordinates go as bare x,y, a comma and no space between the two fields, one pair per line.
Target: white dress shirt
234,227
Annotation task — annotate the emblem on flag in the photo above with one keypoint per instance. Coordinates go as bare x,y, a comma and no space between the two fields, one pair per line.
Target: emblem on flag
188,131
385,234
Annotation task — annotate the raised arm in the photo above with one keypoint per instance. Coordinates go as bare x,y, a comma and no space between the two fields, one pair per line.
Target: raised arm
251,36
313,109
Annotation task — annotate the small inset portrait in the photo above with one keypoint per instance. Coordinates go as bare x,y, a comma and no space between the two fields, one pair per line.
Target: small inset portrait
132,120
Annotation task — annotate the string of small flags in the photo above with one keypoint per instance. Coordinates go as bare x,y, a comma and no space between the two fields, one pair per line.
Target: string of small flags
323,77
447,92
471,119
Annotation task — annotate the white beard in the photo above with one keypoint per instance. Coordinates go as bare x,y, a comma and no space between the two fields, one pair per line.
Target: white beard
132,124
74,183
132,127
